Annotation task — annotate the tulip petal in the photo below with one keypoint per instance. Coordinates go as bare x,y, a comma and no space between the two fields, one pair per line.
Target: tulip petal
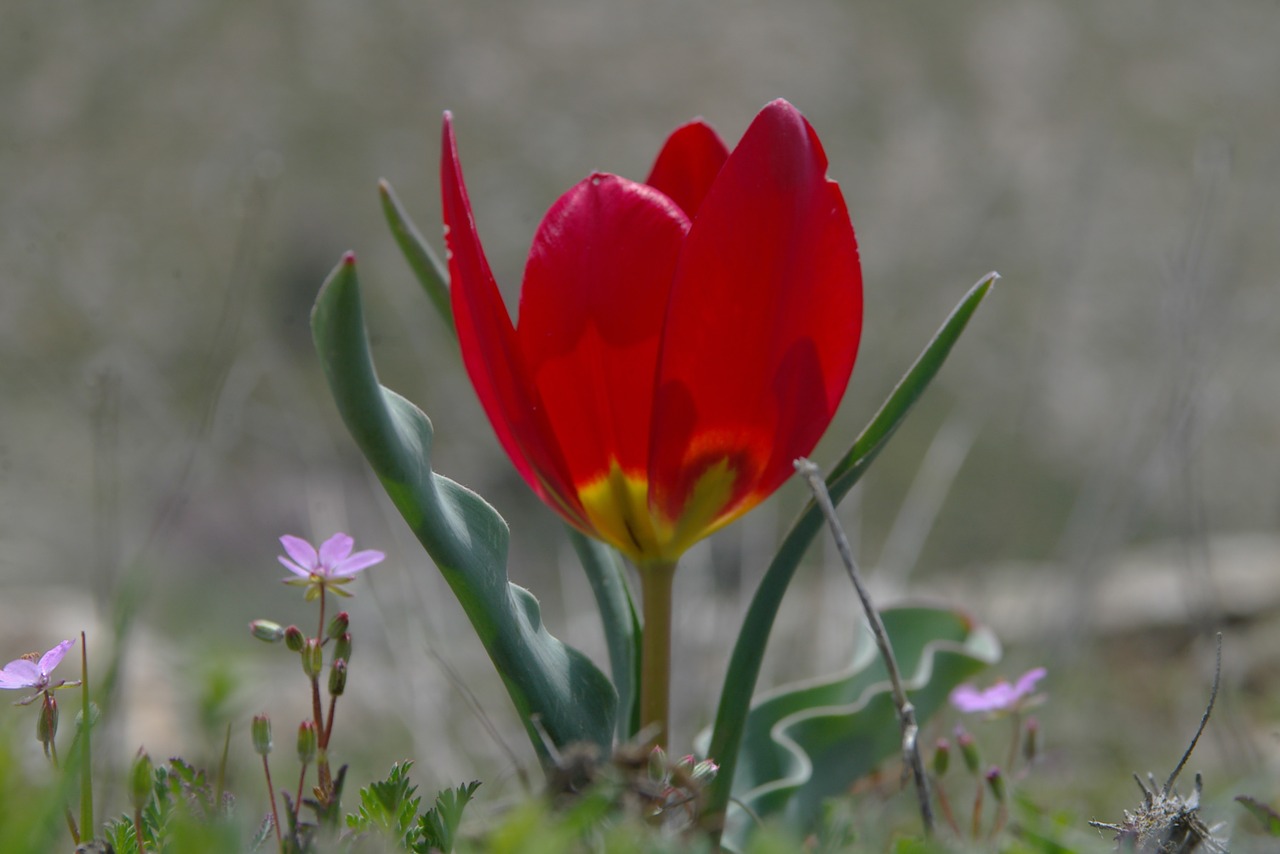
591,314
762,329
491,353
687,165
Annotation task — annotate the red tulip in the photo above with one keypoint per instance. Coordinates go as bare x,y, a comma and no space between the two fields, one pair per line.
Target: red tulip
680,342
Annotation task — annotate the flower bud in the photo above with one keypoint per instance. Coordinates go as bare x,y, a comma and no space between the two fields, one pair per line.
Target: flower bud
294,639
1031,740
705,771
941,757
996,781
338,625
658,763
312,658
140,780
47,722
338,678
307,742
265,630
969,751
342,647
261,730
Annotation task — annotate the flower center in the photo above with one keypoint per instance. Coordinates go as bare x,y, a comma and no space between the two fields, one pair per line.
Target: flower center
618,509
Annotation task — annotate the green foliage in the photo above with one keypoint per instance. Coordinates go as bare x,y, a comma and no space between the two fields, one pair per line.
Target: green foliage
622,631
300,836
183,805
548,681
119,834
590,824
439,825
748,651
1269,817
388,808
426,266
806,742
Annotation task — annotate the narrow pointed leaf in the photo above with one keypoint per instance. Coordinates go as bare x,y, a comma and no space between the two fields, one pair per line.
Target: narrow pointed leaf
426,266
607,577
1262,812
748,652
548,681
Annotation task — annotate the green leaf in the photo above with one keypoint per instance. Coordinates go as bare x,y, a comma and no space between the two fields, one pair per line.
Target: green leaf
439,826
810,740
388,805
917,846
549,682
1270,818
119,834
607,576
748,652
426,266
602,564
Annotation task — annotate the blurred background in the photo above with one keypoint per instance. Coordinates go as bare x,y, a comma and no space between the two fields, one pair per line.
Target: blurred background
1095,473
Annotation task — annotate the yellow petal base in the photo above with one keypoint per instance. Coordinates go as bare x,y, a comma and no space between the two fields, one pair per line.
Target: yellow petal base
617,507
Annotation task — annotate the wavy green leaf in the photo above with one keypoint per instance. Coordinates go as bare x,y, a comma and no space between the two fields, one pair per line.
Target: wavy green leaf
549,682
601,563
748,652
810,740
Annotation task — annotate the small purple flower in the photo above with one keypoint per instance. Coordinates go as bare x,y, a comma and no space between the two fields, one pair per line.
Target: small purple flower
1000,697
25,673
332,564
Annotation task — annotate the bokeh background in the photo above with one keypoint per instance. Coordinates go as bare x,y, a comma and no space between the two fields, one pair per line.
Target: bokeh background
1095,473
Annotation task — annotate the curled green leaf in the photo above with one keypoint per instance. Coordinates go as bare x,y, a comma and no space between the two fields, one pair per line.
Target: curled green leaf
555,688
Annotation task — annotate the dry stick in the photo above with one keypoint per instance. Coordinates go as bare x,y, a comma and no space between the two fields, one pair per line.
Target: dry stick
1204,719
906,712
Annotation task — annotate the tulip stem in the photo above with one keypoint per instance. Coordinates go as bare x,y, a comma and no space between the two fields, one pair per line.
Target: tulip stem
655,651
